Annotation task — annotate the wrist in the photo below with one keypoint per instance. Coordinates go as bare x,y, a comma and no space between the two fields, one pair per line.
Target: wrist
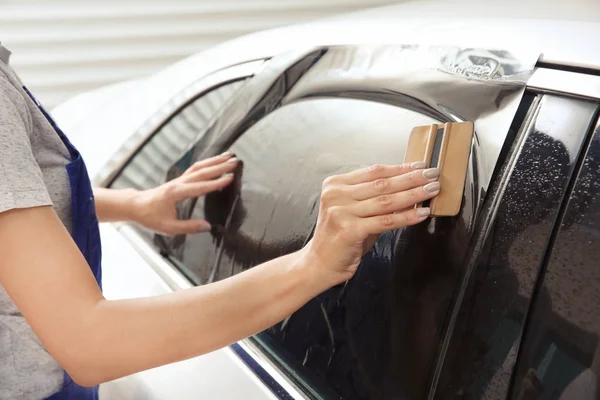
314,270
132,204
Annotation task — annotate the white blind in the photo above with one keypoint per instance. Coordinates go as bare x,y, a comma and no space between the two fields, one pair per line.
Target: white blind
64,47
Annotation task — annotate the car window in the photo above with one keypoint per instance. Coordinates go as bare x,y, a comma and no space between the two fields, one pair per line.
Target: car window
375,336
560,356
148,167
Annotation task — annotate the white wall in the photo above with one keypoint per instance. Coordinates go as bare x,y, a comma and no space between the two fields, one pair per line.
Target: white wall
64,47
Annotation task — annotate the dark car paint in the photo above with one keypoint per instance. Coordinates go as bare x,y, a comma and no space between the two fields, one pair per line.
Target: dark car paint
510,250
565,315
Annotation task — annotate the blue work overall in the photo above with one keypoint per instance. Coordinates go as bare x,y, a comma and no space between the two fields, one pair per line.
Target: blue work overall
85,233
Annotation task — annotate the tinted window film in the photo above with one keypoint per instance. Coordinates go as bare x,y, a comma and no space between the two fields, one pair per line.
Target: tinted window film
149,166
560,357
375,336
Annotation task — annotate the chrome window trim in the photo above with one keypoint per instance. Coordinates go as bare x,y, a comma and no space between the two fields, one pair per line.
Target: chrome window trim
272,368
176,281
132,145
567,83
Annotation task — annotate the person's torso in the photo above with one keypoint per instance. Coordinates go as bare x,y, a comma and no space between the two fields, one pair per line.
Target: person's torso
27,371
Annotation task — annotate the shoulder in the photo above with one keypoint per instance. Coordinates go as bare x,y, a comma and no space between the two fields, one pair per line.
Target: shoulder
14,110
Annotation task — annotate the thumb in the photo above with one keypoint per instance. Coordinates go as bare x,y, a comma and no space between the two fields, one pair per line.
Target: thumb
178,226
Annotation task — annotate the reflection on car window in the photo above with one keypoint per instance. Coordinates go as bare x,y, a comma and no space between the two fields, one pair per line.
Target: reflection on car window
149,166
374,337
271,207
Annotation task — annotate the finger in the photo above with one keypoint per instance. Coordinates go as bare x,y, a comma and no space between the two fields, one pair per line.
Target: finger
177,227
394,184
378,171
197,189
209,162
388,222
390,203
214,171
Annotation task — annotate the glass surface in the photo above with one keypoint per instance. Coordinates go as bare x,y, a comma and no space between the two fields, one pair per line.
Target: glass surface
375,336
148,167
272,205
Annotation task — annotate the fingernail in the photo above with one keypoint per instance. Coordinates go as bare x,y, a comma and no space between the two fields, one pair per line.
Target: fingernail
232,160
418,165
228,176
432,187
423,212
431,173
204,228
226,154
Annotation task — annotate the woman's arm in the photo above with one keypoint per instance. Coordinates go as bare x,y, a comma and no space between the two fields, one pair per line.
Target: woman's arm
97,340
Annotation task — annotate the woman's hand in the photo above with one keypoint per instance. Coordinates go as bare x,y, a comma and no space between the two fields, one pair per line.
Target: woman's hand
358,206
155,208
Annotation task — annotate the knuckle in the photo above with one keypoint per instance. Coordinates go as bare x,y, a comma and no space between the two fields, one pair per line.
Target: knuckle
381,185
345,226
171,189
196,166
326,196
330,194
415,194
404,218
335,216
376,169
384,201
413,177
329,181
386,220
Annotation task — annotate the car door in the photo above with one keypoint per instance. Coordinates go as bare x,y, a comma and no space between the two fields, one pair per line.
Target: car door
379,334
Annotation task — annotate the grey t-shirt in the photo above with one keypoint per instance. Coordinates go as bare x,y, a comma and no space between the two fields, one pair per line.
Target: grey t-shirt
32,173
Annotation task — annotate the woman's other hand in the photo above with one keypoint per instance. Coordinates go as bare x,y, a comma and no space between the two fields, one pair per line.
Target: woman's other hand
155,208
358,206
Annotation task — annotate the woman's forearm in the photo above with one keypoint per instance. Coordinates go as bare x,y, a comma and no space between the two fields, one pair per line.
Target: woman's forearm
97,340
113,205
133,335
